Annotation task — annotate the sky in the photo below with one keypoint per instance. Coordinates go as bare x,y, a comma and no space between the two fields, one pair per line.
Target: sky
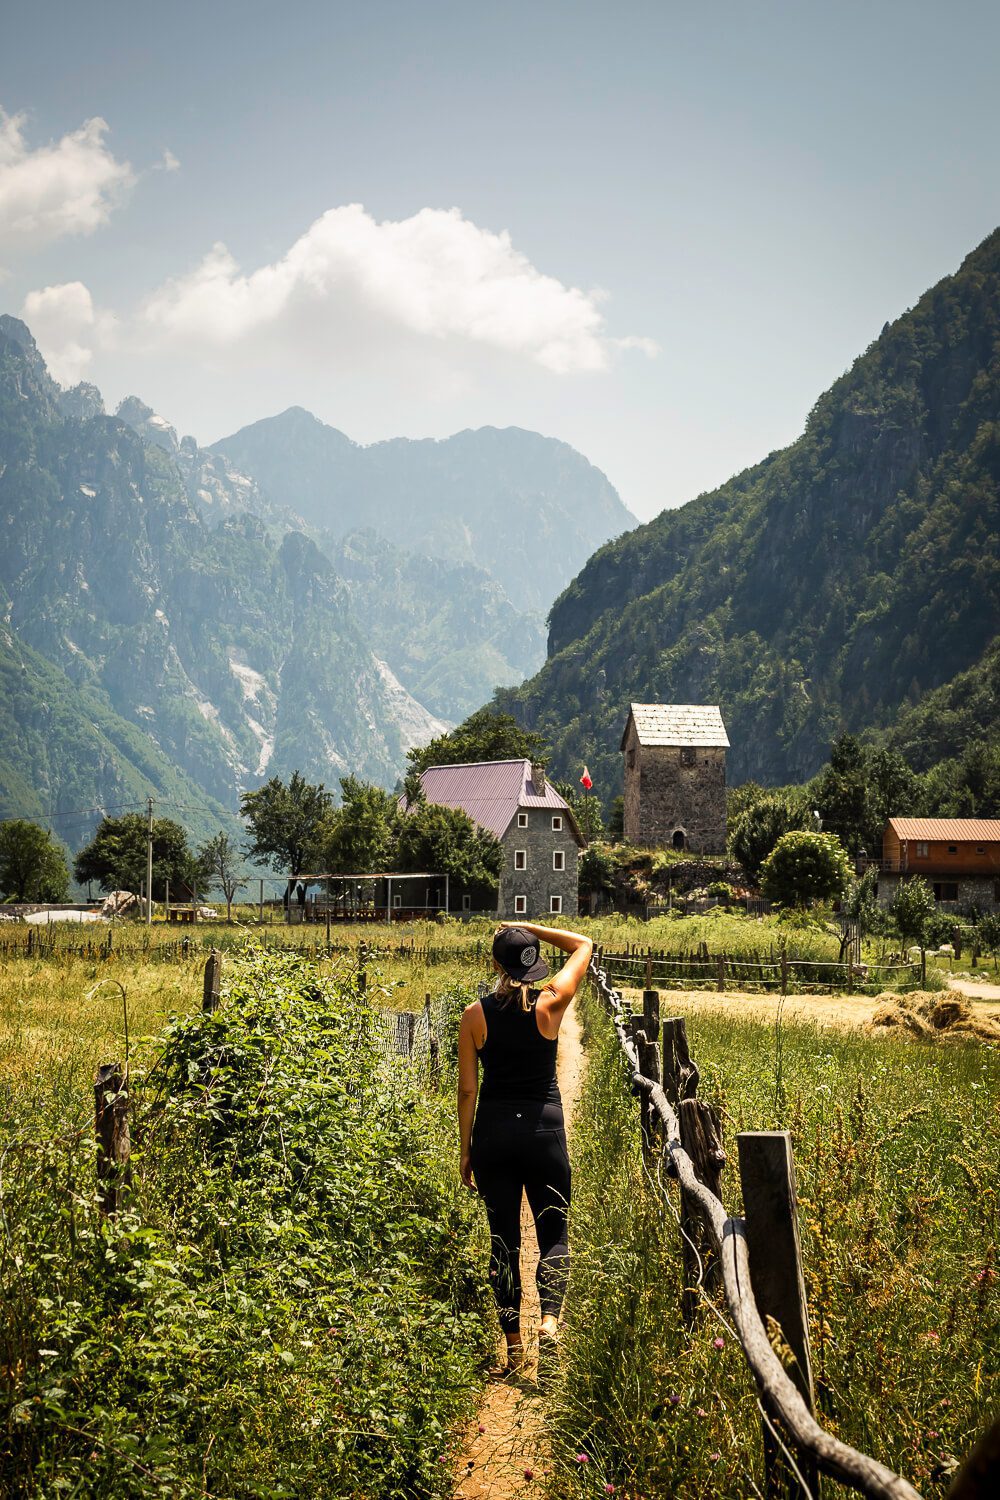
655,231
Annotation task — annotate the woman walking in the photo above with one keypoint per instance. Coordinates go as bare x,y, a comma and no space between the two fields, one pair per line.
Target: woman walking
513,1138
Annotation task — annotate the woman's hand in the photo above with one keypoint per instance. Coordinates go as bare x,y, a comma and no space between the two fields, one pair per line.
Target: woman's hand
465,1168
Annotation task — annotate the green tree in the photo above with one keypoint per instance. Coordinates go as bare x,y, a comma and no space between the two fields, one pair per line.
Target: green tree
754,832
221,868
988,935
485,735
286,823
585,809
32,866
115,858
841,793
805,867
893,792
913,908
445,840
360,836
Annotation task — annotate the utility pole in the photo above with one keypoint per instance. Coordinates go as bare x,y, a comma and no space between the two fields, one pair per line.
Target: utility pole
149,862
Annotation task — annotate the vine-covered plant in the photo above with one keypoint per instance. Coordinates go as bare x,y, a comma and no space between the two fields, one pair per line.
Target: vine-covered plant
288,1305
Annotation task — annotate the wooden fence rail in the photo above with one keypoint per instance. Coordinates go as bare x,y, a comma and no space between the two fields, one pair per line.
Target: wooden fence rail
777,971
785,1400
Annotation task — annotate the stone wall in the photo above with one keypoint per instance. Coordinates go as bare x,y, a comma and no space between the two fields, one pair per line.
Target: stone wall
671,792
981,891
538,882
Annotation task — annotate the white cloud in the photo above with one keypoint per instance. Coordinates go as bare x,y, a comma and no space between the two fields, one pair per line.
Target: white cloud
66,325
349,279
67,187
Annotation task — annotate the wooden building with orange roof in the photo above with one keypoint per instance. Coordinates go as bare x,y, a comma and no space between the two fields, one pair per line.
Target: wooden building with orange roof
958,857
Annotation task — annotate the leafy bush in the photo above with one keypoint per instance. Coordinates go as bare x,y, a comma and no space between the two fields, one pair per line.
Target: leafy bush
289,1303
805,867
913,908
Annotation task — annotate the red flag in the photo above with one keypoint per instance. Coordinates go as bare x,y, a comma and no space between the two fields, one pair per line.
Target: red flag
585,780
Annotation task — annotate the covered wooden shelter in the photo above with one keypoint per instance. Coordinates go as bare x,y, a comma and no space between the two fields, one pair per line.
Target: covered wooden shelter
386,896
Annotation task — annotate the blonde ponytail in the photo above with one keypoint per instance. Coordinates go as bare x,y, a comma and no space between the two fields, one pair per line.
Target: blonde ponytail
506,989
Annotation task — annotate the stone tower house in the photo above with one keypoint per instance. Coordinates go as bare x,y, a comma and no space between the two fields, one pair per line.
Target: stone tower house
675,777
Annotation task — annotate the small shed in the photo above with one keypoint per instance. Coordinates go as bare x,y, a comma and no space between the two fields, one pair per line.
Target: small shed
675,776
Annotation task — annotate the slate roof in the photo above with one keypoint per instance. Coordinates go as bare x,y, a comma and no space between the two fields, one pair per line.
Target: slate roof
492,791
678,724
950,830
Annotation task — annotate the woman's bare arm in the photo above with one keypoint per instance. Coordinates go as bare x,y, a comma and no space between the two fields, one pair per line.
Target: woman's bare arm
559,991
468,1086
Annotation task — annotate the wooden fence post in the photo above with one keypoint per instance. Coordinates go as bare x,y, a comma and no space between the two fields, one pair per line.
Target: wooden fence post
784,972
649,968
213,982
114,1171
433,1046
362,971
701,1137
767,1175
721,966
651,1013
979,1476
680,1073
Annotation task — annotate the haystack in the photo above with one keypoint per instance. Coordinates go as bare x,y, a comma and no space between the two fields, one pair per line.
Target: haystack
929,1015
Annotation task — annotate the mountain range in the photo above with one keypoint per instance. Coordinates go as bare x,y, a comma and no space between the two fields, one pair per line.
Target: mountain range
850,582
171,627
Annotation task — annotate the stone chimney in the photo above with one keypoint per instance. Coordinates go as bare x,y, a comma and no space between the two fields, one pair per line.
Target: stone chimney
538,778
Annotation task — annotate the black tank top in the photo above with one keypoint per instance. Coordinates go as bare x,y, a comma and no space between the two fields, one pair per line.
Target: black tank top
518,1062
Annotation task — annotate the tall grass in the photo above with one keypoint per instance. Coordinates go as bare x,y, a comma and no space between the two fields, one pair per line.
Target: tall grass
897,1160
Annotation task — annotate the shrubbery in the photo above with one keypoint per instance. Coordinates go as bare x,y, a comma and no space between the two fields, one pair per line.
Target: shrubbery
290,1302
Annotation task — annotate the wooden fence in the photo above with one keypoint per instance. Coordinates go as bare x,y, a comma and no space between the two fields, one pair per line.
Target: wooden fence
776,970
114,944
755,1260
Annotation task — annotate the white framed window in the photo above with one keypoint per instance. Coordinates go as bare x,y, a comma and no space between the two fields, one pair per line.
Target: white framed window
921,851
558,859
557,822
397,900
520,905
555,904
466,903
520,859
522,820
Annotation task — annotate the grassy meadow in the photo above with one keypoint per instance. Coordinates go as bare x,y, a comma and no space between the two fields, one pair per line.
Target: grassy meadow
897,1155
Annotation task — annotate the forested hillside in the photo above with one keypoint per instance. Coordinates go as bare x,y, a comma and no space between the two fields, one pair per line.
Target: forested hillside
851,581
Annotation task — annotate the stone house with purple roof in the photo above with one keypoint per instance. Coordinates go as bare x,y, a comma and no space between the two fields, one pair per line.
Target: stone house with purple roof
538,833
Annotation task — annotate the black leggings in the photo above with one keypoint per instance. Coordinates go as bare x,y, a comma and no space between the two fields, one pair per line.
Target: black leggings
521,1147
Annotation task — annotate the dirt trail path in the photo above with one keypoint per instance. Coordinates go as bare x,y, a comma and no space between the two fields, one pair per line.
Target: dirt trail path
507,1436
839,1011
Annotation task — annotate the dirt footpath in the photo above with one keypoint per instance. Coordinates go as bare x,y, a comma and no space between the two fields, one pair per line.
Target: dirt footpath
506,1441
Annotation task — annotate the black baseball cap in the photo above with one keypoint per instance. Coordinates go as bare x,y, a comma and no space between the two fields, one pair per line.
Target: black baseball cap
516,951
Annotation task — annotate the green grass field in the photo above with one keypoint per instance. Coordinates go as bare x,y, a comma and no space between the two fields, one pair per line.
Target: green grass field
897,1156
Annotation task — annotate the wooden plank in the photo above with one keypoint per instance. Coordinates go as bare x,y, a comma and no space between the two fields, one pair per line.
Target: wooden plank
770,1206
213,982
114,1169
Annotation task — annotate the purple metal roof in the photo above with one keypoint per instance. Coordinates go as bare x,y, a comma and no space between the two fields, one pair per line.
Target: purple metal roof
491,792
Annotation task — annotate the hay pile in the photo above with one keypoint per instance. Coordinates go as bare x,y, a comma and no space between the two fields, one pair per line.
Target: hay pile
939,1017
